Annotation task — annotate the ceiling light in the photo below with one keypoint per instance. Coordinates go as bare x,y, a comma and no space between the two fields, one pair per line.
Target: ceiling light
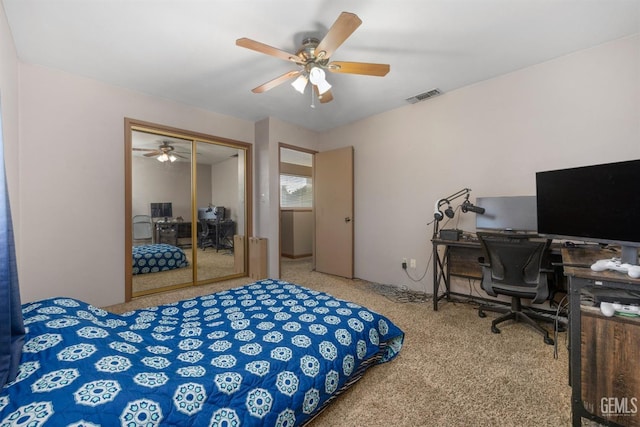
173,158
163,157
317,77
300,83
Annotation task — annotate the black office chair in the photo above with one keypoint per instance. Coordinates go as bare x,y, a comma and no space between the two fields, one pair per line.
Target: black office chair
205,235
515,266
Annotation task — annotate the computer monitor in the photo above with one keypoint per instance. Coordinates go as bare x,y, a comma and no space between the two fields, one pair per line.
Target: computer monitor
211,213
510,213
206,213
597,203
161,210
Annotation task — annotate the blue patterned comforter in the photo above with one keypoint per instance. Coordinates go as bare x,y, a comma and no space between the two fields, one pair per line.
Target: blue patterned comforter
266,354
157,257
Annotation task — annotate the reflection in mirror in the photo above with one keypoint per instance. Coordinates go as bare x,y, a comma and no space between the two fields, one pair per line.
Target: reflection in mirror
161,209
220,209
188,206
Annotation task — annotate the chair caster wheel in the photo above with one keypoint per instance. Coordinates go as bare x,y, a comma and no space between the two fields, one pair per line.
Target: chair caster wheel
495,330
482,314
548,340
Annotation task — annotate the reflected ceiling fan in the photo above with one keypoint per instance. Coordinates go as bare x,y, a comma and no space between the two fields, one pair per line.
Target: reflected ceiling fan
165,152
313,59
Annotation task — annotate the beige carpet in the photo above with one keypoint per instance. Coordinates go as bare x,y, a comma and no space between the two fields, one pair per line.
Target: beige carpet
452,371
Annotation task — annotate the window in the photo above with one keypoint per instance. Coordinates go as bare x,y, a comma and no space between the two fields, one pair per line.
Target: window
295,191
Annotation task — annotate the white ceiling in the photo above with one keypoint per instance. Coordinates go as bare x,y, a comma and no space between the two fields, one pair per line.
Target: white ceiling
185,49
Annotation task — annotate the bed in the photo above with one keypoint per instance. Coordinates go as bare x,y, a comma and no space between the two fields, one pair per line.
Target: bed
271,353
157,257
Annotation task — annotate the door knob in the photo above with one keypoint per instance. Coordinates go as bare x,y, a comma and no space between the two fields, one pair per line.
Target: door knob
347,219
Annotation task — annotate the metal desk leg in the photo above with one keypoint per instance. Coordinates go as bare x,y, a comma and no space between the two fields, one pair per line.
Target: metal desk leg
440,273
574,352
436,283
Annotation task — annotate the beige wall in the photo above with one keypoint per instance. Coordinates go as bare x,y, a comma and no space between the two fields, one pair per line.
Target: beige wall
296,233
269,134
224,184
72,179
153,182
491,137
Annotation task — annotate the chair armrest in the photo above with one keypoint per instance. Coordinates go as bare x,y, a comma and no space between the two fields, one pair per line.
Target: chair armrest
482,262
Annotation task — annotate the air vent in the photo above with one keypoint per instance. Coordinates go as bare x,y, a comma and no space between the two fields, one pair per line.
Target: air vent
426,95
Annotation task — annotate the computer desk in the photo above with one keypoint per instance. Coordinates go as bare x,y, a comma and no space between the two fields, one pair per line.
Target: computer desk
178,233
604,352
604,355
460,258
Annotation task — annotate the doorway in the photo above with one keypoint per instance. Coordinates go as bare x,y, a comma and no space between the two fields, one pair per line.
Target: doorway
296,209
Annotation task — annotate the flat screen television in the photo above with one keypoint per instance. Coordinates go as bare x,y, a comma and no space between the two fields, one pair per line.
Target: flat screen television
509,213
598,203
161,210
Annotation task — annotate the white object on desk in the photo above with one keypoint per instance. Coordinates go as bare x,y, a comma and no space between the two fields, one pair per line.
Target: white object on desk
632,271
611,308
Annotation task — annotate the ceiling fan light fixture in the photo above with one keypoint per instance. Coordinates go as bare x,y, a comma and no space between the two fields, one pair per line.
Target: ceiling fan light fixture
163,157
317,77
172,158
323,87
300,83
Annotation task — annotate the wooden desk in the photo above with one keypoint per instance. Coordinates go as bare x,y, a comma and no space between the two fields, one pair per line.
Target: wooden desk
176,233
604,352
460,258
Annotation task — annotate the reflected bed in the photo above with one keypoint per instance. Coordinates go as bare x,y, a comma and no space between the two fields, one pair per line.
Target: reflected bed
268,353
157,257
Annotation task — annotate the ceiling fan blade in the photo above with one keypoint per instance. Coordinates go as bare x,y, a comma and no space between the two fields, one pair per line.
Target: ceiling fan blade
359,68
344,26
275,82
143,149
268,50
325,97
182,157
153,154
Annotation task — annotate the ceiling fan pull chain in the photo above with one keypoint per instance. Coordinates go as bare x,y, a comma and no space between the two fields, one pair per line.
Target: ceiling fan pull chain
313,97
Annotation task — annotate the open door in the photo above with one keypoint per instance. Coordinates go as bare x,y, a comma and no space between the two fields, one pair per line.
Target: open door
333,206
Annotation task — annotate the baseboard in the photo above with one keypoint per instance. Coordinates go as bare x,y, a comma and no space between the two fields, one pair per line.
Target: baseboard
295,256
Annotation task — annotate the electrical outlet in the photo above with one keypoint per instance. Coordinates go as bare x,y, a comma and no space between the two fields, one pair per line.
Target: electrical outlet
412,264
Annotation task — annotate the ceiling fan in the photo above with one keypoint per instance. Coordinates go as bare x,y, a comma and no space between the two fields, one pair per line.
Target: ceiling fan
165,152
313,59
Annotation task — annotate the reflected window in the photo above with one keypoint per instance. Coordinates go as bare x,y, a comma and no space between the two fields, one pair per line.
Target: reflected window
296,191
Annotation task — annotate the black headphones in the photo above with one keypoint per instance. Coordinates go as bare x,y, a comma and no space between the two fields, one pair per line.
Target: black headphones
438,215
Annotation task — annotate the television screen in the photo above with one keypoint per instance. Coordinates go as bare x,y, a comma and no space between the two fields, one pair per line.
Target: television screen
597,203
161,210
511,213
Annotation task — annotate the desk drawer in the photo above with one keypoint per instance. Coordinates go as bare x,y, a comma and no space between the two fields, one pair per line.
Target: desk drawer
610,367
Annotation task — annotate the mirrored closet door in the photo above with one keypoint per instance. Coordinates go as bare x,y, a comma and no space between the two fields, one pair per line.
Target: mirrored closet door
186,208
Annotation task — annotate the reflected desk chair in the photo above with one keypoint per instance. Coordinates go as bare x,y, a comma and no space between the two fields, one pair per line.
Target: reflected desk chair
206,235
514,265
